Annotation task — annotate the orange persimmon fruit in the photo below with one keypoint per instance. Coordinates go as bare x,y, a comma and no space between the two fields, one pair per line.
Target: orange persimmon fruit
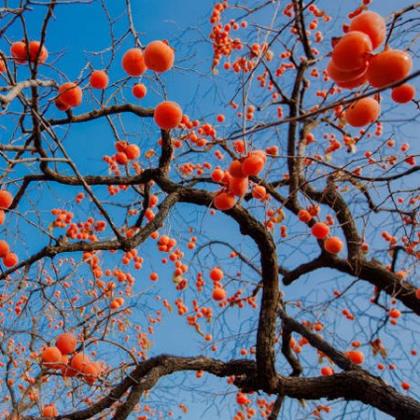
66,343
10,260
35,50
362,112
159,56
51,357
238,186
4,248
133,62
70,94
320,230
387,67
352,51
6,199
403,94
356,356
333,245
219,293
372,24
49,410
224,201
168,115
99,79
216,274
139,90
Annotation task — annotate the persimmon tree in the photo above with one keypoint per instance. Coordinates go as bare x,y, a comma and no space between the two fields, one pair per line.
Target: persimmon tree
266,224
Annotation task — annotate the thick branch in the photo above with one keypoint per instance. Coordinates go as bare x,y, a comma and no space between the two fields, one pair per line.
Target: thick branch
350,385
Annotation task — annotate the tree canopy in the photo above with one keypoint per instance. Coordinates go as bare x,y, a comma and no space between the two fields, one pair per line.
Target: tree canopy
209,210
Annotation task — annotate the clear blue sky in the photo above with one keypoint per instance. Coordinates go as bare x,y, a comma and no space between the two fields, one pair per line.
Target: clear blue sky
79,30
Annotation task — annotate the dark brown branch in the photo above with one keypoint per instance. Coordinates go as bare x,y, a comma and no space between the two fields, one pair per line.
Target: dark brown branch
98,113
289,276
350,385
269,268
371,271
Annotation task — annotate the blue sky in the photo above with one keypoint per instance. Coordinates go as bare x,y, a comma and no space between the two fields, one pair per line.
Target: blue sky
79,30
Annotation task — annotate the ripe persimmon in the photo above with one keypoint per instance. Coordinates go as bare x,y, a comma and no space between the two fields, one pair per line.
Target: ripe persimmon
2,65
49,410
78,361
238,186
51,357
2,216
218,293
226,178
139,90
389,66
327,371
239,146
132,151
235,169
272,150
259,192
362,112
61,105
19,52
6,199
217,175
224,201
133,62
115,304
4,248
405,386
168,115
66,343
10,260
351,84
253,164
35,50
394,313
304,216
121,158
352,51
120,300
216,274
356,356
320,230
99,79
403,94
90,372
333,245
372,24
339,75
159,56
241,398
70,94
66,370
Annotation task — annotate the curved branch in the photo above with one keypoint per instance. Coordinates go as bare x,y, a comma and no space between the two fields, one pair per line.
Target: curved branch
371,271
350,385
98,113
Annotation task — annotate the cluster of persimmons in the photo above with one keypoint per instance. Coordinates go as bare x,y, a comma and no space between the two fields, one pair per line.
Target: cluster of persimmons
158,56
353,64
9,258
63,358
